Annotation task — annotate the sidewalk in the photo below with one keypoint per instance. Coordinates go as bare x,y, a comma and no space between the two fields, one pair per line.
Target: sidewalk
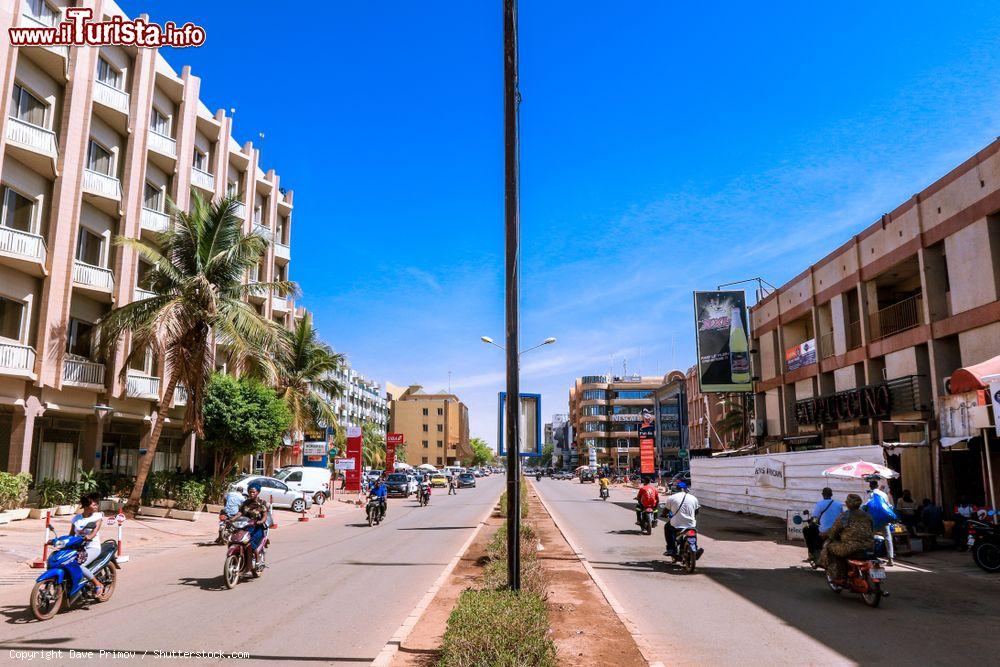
21,541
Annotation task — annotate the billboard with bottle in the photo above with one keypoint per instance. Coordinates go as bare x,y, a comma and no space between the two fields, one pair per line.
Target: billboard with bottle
723,341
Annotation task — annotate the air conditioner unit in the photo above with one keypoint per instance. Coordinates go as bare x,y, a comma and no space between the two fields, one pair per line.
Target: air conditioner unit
758,428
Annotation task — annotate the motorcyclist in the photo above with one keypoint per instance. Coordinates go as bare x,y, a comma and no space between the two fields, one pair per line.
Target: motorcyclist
646,498
255,509
681,507
379,492
605,484
424,487
231,508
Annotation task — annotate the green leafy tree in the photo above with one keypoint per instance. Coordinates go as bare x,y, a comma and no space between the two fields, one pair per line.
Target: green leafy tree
198,277
242,417
372,446
306,379
481,452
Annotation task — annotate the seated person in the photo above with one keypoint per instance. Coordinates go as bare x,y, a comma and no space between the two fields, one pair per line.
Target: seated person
852,532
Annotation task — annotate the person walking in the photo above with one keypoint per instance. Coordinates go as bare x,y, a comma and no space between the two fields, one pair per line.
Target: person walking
874,492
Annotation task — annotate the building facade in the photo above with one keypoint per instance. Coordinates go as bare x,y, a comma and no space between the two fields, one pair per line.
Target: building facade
856,349
435,427
671,420
94,142
605,412
362,402
558,434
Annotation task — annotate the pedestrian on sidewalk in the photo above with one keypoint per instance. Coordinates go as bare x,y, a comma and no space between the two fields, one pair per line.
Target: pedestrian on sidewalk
874,492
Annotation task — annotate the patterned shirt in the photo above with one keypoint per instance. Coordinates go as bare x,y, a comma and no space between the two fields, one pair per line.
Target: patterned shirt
254,509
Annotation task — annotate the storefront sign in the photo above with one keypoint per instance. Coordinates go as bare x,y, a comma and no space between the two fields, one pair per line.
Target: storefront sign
801,355
957,416
769,472
314,448
868,401
343,464
723,342
626,418
995,394
647,464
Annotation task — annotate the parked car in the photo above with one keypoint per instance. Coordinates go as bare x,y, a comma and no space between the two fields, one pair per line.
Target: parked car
315,482
398,484
372,475
587,475
275,491
466,480
439,480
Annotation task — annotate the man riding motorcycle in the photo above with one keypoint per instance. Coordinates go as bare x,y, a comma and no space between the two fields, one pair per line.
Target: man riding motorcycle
605,486
255,509
424,488
681,508
647,498
380,492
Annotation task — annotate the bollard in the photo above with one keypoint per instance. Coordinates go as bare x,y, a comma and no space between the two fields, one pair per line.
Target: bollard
320,515
270,512
304,517
121,556
45,543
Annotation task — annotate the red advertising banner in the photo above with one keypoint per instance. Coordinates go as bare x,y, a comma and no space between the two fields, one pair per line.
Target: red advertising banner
392,440
354,452
647,465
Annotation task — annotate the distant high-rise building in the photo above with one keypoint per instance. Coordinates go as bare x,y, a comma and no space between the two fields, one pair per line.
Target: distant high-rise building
435,427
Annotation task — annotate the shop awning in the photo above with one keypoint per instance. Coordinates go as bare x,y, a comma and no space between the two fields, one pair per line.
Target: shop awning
970,378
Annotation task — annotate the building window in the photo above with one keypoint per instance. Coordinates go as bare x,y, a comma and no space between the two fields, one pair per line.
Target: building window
42,12
18,211
89,247
425,428
440,428
440,411
440,461
106,73
160,123
425,412
233,189
79,338
152,197
440,443
258,215
11,315
25,106
200,159
424,442
423,459
595,395
593,410
633,394
98,158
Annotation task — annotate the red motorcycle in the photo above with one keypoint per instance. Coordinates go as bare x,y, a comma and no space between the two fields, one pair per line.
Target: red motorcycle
241,558
864,577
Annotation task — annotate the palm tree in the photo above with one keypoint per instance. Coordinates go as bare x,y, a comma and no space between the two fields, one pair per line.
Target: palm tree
732,423
372,446
199,281
305,377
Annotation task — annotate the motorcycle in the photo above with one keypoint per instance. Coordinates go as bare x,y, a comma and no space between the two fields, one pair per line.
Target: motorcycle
375,512
647,521
63,582
984,543
604,493
424,497
864,577
538,477
688,552
241,558
225,529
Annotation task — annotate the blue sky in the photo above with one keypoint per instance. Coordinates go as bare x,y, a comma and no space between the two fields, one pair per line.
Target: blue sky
665,148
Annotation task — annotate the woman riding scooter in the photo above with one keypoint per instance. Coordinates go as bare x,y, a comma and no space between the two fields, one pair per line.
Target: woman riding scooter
852,532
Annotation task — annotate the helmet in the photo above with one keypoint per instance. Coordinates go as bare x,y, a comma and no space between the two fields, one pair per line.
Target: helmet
682,485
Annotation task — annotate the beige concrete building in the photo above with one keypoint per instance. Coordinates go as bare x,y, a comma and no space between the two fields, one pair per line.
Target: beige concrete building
435,427
93,142
606,411
890,315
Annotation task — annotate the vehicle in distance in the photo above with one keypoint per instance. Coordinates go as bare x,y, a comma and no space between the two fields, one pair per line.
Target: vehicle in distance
439,480
466,480
398,485
313,481
275,492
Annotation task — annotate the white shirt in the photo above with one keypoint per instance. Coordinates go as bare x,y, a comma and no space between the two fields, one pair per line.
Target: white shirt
82,523
683,506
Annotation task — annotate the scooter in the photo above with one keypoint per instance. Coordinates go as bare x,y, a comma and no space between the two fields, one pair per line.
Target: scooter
63,581
865,576
688,552
647,521
424,497
604,493
984,543
375,512
538,477
241,558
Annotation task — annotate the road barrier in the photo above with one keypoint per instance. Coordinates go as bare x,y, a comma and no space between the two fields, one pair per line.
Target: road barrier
304,516
45,543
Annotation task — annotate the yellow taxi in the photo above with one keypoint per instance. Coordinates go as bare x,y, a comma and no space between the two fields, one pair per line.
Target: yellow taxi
439,480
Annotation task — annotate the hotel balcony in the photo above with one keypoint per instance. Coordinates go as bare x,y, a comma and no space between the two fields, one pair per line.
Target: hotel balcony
139,385
97,281
17,359
106,191
826,348
111,97
897,317
279,304
180,395
22,250
83,373
240,210
202,179
35,146
854,335
61,51
162,144
153,221
142,294
282,251
261,230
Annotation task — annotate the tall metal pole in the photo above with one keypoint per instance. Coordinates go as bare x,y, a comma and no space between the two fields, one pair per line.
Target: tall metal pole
512,227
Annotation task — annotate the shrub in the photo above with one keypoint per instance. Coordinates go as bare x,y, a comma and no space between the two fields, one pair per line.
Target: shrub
69,493
498,628
496,549
89,481
534,578
523,497
190,496
49,492
14,490
161,485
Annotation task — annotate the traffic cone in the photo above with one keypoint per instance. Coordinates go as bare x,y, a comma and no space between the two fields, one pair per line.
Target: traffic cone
45,543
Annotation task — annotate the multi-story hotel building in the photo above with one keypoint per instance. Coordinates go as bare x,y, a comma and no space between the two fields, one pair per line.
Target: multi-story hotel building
362,401
94,141
892,313
605,412
435,427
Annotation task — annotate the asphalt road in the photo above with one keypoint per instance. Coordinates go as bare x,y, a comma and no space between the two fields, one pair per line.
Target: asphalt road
753,601
335,592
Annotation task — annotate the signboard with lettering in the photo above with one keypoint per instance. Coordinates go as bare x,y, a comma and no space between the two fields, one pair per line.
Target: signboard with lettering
769,472
354,453
801,355
723,342
626,418
868,401
647,432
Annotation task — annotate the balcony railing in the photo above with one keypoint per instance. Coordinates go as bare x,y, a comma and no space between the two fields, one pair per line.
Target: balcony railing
161,143
240,210
141,294
826,345
35,22
83,371
283,251
261,230
900,316
102,185
14,356
180,395
93,276
854,335
110,96
139,385
279,303
31,136
202,179
154,221
16,242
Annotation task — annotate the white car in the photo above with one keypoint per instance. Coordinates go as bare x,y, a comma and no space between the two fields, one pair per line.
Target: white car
275,492
313,480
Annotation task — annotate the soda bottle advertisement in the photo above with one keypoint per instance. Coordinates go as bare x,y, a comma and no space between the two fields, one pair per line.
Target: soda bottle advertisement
723,341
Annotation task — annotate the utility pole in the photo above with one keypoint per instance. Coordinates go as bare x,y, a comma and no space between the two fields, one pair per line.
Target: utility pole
512,234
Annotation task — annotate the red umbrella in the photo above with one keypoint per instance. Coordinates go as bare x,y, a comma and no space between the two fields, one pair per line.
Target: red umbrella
860,470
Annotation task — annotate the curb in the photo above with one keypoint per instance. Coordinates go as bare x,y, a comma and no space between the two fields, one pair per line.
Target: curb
644,648
388,652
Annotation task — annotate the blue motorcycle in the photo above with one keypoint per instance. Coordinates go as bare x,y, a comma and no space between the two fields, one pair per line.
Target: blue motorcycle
63,582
